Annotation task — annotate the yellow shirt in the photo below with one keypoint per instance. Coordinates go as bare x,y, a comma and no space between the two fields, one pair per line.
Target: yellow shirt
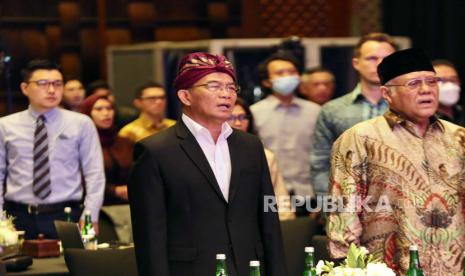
143,127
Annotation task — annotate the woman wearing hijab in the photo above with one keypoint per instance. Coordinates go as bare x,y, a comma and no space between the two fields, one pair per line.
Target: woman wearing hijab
117,151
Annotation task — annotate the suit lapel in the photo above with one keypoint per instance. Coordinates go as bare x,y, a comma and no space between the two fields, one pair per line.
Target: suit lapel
192,148
236,162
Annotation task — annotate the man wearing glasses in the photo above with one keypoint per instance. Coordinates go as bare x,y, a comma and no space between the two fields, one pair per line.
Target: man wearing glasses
151,102
406,172
45,154
198,188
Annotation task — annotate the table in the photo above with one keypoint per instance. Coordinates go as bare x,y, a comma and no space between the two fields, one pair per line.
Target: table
45,266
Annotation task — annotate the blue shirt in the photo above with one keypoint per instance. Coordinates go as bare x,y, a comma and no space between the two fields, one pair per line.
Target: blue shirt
337,116
73,147
287,130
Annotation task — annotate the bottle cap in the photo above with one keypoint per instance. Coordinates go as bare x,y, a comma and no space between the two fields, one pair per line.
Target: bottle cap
413,247
220,256
87,212
255,263
67,209
309,249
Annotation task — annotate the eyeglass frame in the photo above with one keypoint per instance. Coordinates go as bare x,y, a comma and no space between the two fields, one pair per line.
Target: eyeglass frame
417,86
153,98
223,86
46,83
240,117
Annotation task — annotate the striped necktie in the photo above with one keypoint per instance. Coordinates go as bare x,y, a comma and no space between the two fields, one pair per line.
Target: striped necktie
41,184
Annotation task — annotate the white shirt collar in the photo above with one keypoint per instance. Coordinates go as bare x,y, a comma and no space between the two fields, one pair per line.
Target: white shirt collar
197,129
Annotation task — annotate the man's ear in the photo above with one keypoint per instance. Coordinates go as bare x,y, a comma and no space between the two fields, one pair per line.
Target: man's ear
23,86
355,62
137,103
386,94
266,83
184,96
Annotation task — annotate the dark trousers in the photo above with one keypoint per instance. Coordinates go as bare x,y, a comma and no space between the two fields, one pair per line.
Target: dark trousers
35,223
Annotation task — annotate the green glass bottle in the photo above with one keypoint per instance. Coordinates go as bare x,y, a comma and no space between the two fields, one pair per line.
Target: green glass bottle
414,268
88,228
221,265
254,268
309,263
68,214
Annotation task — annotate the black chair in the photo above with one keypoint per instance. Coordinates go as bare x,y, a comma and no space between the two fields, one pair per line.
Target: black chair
297,234
114,262
107,231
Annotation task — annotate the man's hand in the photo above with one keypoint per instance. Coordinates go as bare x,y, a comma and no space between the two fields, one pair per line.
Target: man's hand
94,224
122,192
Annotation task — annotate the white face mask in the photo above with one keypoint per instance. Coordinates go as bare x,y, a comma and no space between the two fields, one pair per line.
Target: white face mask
285,85
449,93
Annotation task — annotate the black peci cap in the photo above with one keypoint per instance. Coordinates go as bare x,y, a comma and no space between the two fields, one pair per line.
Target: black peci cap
403,62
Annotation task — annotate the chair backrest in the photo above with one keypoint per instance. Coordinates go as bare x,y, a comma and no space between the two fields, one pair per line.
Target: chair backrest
297,234
113,262
115,224
107,232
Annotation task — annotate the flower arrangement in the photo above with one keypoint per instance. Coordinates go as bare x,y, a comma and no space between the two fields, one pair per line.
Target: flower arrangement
358,263
8,234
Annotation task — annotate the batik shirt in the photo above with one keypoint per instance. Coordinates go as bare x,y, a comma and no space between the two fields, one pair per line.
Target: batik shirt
411,191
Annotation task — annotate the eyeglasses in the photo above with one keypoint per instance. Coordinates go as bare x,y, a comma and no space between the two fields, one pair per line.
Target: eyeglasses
451,79
240,118
153,98
45,84
215,86
415,84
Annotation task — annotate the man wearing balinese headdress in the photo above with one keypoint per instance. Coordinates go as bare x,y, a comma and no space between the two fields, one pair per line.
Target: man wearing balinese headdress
407,171
198,188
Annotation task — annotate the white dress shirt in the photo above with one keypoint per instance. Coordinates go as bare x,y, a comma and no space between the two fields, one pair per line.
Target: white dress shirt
74,152
217,153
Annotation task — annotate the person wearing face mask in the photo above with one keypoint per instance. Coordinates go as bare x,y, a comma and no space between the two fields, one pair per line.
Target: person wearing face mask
285,122
449,92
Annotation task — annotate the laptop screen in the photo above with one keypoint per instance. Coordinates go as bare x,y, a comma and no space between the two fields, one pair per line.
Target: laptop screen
69,234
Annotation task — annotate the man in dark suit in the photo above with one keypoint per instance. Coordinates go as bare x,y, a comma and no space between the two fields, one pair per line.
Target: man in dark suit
200,188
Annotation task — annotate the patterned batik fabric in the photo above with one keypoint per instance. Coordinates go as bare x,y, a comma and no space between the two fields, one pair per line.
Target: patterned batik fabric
405,189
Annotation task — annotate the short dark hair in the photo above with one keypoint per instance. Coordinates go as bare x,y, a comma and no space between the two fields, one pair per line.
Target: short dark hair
445,62
149,84
72,78
95,85
39,64
380,37
251,128
282,55
262,68
318,69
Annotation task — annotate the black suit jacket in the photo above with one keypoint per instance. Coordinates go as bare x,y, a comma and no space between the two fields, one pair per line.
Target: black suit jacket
181,219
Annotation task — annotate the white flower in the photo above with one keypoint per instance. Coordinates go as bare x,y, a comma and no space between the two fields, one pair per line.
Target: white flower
347,271
379,269
8,237
319,267
363,250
